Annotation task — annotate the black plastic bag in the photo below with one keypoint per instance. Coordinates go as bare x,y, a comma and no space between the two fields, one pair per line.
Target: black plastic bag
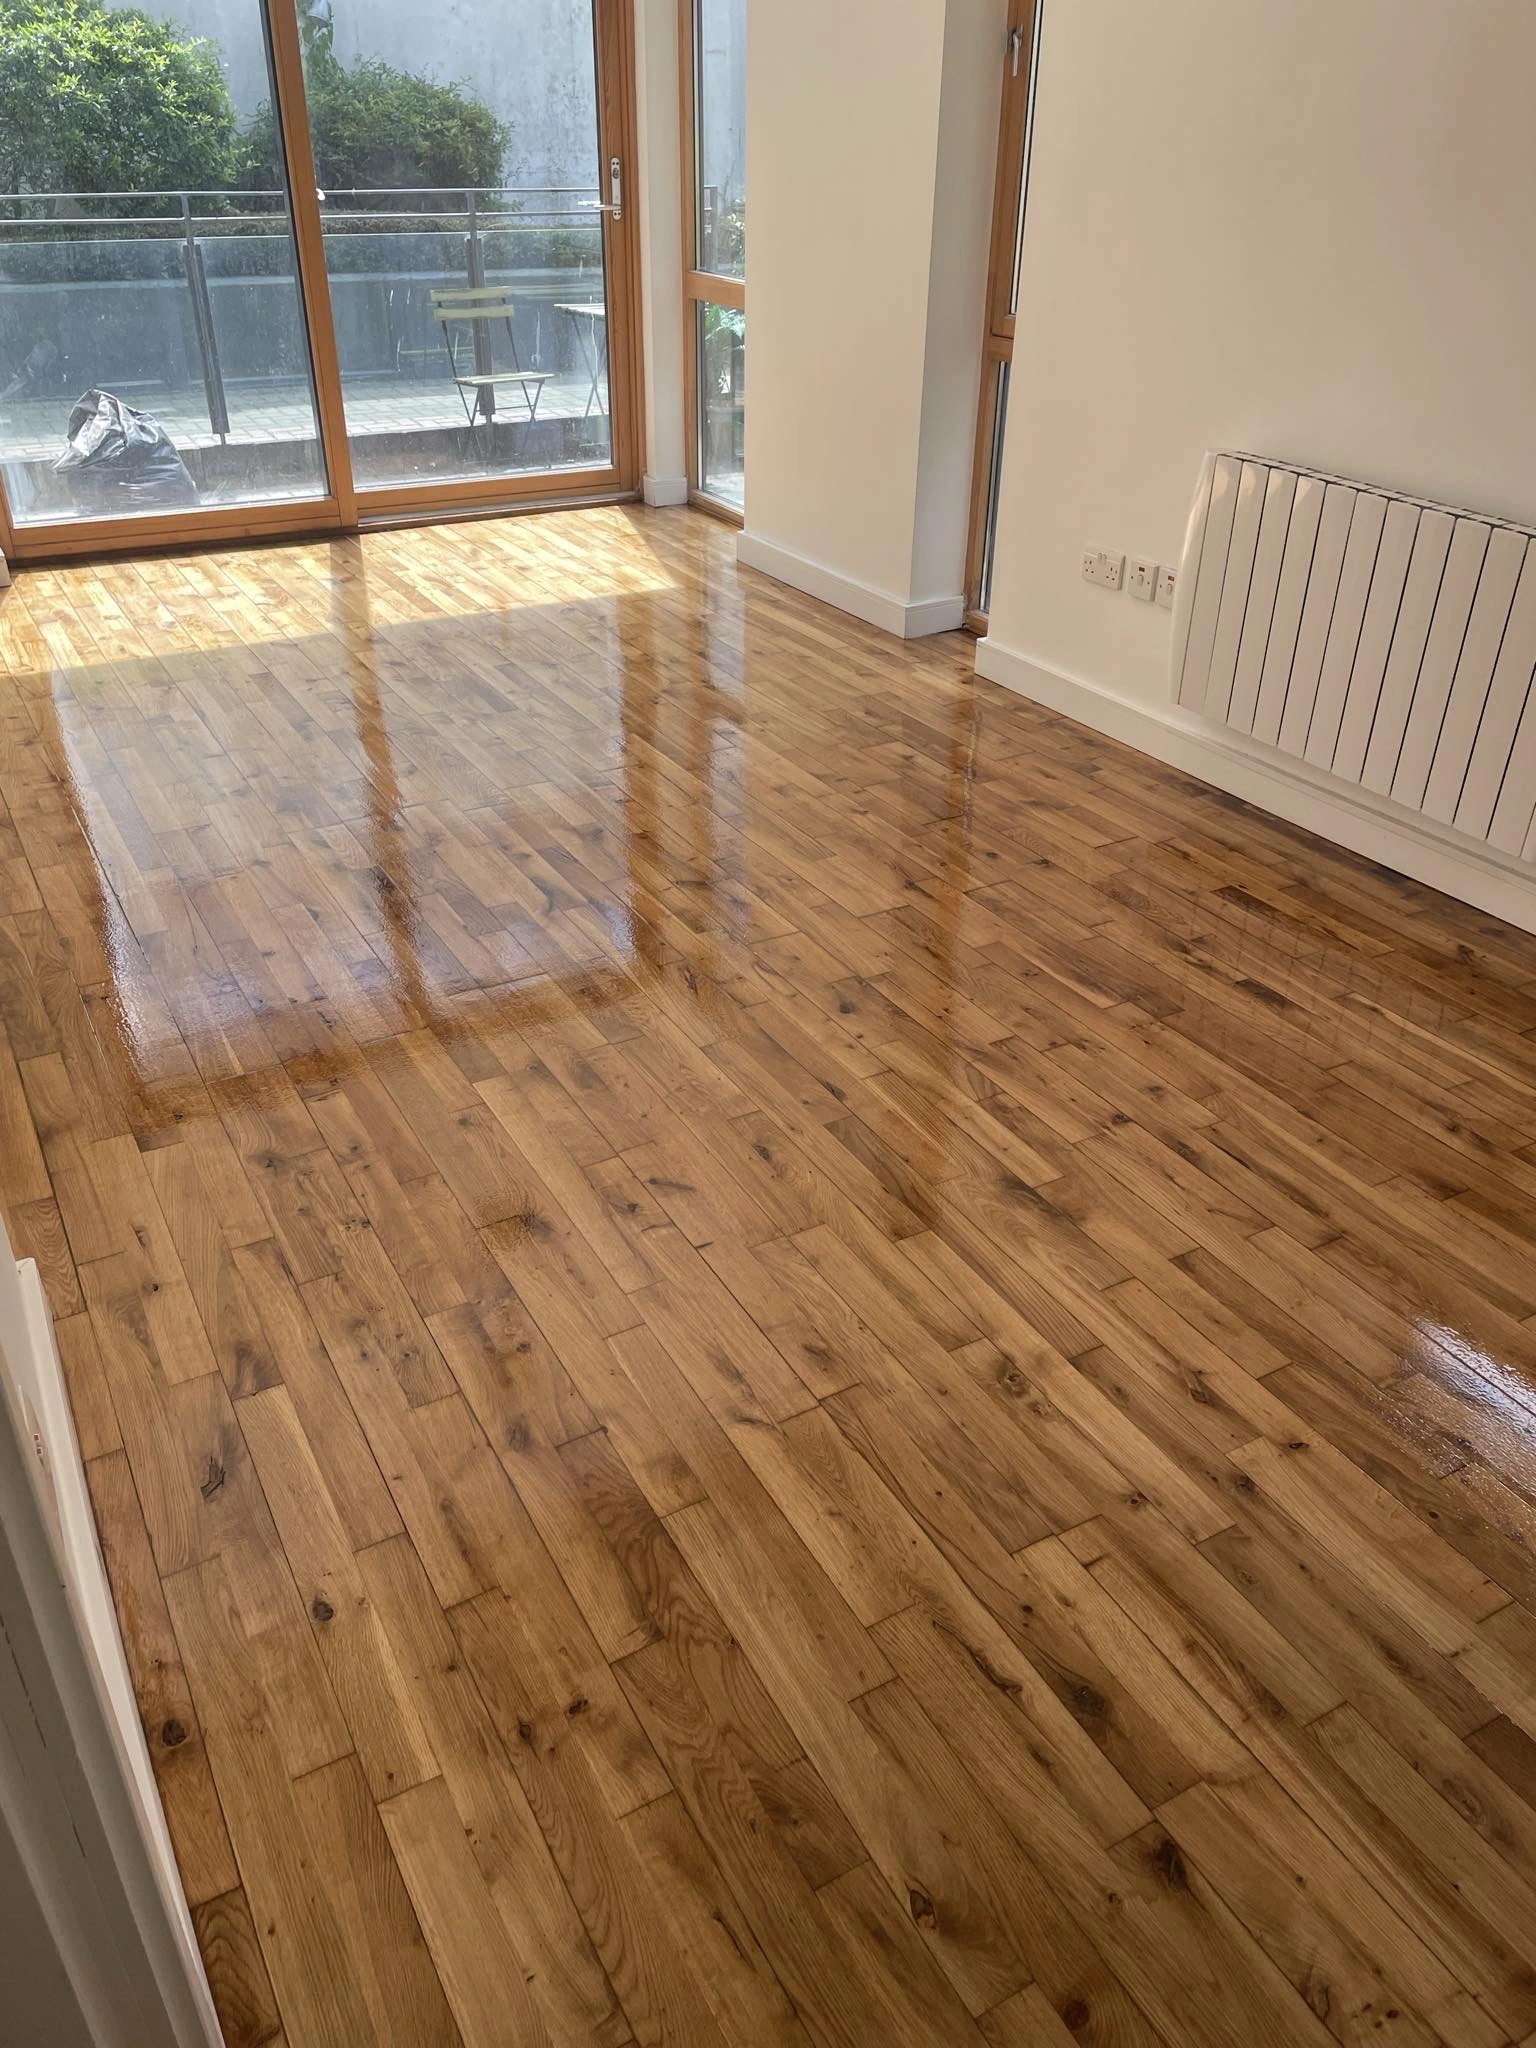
121,460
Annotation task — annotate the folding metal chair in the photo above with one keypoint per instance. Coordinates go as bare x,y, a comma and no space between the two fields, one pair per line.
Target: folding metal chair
474,310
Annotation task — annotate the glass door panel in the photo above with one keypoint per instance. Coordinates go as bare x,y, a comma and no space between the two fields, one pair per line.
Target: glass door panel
994,483
1021,70
714,109
721,387
154,359
1033,73
720,144
463,196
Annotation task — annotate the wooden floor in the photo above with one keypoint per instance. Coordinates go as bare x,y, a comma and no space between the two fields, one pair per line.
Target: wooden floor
771,1350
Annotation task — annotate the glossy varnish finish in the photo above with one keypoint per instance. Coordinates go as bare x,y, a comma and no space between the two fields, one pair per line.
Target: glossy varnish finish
770,1350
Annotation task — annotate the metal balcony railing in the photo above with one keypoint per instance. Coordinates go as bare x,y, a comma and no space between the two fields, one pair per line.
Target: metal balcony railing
399,240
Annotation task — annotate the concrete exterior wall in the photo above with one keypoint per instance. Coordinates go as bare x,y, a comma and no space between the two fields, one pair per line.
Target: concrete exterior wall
530,61
722,88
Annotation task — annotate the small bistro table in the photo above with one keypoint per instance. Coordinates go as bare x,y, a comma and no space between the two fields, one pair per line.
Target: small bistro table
590,312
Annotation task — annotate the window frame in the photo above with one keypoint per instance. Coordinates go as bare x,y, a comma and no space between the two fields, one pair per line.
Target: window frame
1009,198
699,286
346,507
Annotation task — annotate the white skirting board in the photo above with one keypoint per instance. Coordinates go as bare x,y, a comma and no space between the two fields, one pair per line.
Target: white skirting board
882,608
1289,788
664,490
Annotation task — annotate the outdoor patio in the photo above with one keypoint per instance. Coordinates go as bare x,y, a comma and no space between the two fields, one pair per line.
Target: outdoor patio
33,429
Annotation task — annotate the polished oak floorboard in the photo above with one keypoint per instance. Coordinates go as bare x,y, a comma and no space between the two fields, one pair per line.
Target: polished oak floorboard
770,1350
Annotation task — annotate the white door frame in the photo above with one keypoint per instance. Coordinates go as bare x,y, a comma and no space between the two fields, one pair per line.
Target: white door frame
84,1850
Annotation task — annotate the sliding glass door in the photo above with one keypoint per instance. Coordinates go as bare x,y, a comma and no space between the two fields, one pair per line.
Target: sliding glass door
714,41
154,354
275,265
468,214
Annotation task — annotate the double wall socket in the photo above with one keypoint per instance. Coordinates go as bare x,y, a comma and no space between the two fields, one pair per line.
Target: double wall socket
1101,567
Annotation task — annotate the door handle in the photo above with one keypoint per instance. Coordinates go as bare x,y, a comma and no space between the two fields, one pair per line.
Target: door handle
614,203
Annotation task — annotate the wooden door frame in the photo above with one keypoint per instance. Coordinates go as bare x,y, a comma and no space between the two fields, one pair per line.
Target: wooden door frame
7,531
309,236
617,126
700,287
344,508
336,509
1008,199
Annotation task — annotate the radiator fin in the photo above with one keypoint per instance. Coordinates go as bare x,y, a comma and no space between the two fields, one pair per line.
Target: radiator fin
1317,613
1290,600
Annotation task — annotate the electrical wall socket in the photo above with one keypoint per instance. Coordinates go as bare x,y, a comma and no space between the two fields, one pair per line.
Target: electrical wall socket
1144,579
1103,568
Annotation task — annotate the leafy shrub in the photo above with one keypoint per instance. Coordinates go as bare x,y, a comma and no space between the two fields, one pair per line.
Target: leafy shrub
97,98
376,126
105,99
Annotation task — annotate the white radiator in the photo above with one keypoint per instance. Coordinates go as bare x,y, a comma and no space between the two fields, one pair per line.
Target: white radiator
1390,643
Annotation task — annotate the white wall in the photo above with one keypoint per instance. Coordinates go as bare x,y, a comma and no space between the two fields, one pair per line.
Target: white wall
657,188
970,98
41,2007
1306,230
870,129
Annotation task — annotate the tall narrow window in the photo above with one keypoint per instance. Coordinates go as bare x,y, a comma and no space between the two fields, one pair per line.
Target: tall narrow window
714,57
1021,60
